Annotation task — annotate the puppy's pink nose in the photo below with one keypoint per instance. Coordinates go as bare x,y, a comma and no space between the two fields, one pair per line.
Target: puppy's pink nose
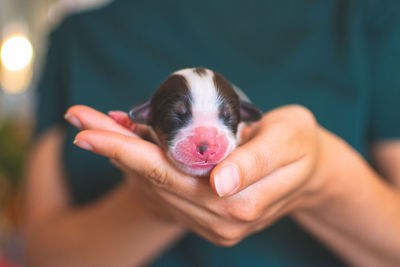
207,149
209,145
203,147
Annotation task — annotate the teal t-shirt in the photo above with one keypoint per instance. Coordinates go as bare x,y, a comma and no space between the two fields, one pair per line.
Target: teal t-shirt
340,59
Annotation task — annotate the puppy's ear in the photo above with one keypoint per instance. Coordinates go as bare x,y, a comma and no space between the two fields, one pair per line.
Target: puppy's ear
249,112
141,113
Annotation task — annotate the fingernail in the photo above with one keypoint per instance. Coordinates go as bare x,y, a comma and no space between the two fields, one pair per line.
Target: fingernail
83,144
227,180
73,120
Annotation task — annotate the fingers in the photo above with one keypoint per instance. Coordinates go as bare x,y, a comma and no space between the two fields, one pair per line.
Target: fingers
143,158
84,117
129,151
280,139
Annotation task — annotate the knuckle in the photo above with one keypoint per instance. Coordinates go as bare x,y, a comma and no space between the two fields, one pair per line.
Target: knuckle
228,233
226,243
259,157
158,176
117,152
303,112
246,211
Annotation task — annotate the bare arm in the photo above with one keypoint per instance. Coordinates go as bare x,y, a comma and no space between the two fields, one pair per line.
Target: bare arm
359,217
289,165
115,231
309,173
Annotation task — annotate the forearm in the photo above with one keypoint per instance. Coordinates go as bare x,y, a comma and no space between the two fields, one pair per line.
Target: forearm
358,216
115,231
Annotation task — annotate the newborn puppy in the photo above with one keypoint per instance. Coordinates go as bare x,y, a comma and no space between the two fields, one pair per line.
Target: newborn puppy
196,117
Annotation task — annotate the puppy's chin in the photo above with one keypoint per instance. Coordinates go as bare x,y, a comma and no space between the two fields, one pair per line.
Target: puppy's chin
197,170
194,169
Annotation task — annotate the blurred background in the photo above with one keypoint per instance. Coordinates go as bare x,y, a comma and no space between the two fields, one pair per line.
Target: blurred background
24,26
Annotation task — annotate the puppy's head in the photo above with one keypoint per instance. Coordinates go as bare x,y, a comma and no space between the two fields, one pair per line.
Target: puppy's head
196,115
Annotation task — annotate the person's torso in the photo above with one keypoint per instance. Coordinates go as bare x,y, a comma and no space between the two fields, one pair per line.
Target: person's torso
278,52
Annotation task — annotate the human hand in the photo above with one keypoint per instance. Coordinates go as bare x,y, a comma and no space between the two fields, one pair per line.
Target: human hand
276,167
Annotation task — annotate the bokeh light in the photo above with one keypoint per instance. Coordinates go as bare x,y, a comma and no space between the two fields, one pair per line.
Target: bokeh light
16,53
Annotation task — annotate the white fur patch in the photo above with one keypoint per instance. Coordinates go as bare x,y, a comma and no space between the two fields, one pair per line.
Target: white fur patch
205,97
205,104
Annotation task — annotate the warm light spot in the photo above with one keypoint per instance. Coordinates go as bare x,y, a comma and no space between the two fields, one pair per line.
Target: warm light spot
15,82
16,53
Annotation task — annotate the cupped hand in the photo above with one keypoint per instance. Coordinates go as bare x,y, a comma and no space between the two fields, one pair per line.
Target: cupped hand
277,170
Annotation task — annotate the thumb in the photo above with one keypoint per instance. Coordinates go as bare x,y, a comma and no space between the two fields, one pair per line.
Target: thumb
266,152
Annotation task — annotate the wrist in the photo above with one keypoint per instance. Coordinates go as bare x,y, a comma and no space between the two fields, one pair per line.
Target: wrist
335,173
